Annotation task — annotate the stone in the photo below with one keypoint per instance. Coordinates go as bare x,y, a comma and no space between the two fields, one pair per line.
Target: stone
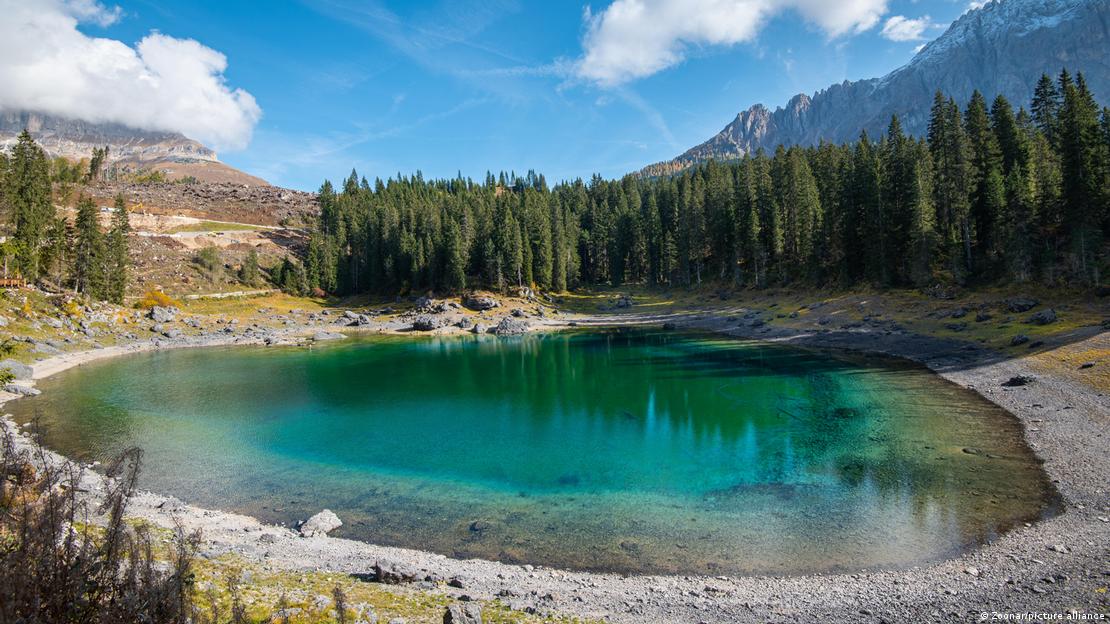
518,313
22,390
1044,317
982,317
510,326
1086,365
428,322
393,574
1018,381
1020,304
463,613
478,329
159,314
53,322
668,326
19,369
480,303
323,336
464,323
1018,340
321,524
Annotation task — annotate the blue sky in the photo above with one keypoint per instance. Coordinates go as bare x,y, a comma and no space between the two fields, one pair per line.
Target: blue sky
472,86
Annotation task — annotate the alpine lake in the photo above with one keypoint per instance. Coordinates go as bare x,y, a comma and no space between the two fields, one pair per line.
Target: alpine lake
634,451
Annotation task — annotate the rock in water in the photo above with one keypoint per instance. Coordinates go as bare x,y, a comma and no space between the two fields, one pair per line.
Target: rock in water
1044,317
22,390
322,336
321,524
464,613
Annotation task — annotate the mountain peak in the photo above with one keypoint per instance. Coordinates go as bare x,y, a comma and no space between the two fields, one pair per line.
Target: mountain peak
1001,48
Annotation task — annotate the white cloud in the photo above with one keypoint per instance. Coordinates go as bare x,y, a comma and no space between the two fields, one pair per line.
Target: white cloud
162,83
902,28
636,38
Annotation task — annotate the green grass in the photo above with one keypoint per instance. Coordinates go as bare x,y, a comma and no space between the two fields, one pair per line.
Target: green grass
214,226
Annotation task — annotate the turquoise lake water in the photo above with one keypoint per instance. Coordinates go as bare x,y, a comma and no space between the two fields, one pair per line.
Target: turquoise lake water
627,450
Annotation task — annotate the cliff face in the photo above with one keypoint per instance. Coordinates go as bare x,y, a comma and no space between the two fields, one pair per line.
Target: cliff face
1001,48
129,148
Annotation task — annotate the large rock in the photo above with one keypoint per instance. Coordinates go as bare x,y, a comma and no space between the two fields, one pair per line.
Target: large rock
22,390
463,613
322,336
1020,304
393,573
321,524
19,369
510,326
158,314
1044,317
481,303
429,322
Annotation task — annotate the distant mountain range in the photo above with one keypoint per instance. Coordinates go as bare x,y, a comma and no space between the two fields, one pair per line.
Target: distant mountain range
130,149
1002,48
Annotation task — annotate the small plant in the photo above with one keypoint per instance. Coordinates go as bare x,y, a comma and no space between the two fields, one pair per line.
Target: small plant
6,376
155,297
72,309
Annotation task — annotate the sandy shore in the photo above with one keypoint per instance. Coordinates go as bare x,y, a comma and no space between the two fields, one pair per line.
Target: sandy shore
1060,565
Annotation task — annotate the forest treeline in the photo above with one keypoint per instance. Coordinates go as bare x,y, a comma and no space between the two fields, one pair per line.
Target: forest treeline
989,195
41,243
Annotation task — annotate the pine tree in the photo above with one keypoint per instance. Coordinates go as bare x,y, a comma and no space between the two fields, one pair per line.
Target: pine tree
986,180
249,272
28,204
116,253
88,257
455,278
1046,107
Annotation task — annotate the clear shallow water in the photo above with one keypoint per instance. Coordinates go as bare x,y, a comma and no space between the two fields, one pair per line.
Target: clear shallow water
629,451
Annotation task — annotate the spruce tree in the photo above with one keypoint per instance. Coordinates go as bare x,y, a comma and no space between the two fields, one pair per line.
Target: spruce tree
116,258
28,204
88,256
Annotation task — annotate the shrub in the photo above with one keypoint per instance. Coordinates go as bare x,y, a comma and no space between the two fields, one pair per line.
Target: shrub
155,297
208,258
56,567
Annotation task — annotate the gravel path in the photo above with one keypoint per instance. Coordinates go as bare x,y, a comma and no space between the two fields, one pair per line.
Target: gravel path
1061,565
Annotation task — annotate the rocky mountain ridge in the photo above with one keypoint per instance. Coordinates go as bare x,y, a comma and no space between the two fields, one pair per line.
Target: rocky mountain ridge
1001,48
130,149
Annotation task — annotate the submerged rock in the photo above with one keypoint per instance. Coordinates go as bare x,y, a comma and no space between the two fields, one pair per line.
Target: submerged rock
322,336
321,524
22,390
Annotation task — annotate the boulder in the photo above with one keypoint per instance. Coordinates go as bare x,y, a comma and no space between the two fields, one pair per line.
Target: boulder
19,369
428,322
1020,304
321,524
624,301
393,574
22,390
480,303
518,312
463,613
464,323
510,326
1018,340
173,333
1044,317
322,336
479,328
669,326
159,314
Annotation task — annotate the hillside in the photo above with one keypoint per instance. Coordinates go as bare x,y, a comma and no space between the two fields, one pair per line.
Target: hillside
130,149
1001,48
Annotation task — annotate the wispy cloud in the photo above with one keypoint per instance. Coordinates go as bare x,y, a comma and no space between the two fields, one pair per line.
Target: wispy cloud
902,28
632,39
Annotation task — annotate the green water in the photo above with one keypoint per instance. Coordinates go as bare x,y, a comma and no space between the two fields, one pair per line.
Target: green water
628,451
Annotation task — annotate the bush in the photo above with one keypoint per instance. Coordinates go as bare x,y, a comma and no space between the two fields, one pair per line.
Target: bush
155,297
208,258
57,567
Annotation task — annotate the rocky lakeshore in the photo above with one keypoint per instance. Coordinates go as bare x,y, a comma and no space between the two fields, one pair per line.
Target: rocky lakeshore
1058,565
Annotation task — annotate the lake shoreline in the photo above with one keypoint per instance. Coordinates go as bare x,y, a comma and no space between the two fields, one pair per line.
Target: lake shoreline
1064,423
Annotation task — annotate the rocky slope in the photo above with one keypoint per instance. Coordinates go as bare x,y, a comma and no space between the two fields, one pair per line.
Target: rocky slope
130,149
1000,48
